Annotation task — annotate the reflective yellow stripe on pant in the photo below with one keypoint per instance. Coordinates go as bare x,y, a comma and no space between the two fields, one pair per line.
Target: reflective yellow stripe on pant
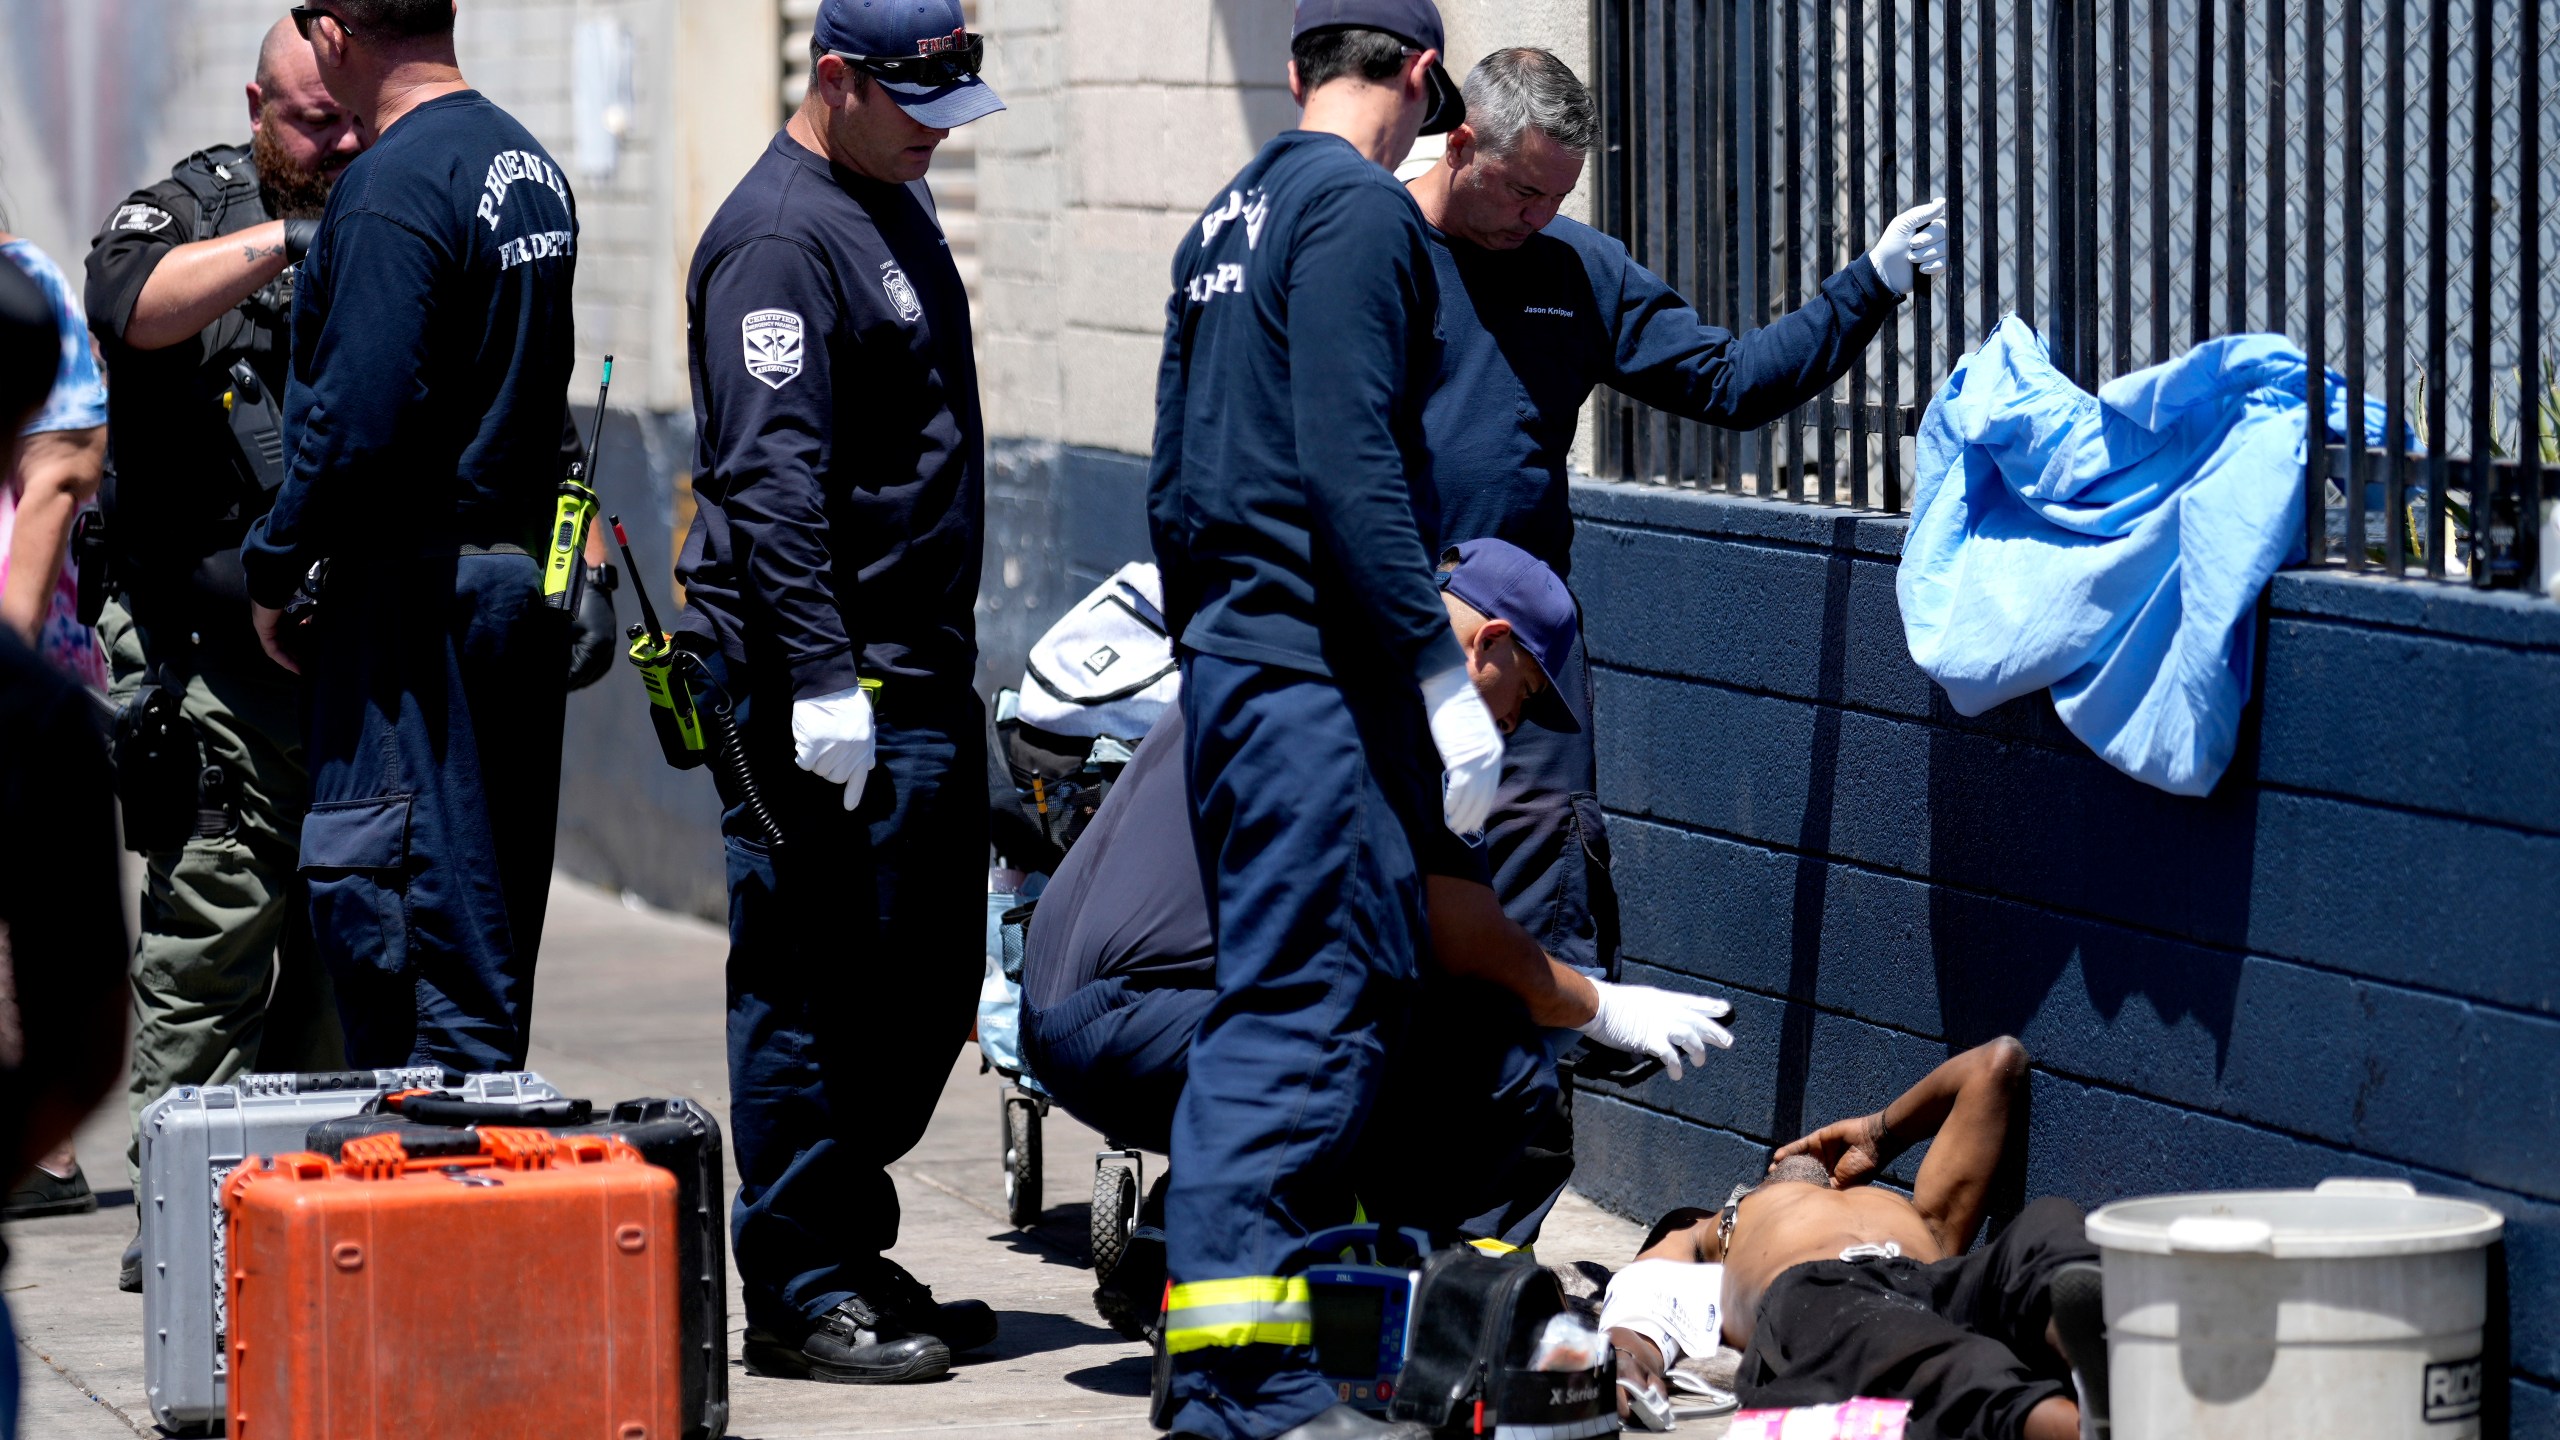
1248,1310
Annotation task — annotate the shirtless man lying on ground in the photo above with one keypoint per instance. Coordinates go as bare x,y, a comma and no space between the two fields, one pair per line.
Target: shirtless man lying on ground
1832,1288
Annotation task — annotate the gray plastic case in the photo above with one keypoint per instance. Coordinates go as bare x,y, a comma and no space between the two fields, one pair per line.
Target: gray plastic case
192,1139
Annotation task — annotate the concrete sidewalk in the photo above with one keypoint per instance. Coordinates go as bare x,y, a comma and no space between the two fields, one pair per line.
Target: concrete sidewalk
630,1004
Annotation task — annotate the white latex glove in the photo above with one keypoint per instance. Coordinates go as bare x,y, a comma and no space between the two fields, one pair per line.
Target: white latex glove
1916,240
1664,1024
831,738
1470,746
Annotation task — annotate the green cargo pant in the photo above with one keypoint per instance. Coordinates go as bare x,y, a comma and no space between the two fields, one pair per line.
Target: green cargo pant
224,977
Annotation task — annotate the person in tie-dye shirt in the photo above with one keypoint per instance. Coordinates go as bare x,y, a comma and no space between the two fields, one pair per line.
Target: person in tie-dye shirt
61,455
64,454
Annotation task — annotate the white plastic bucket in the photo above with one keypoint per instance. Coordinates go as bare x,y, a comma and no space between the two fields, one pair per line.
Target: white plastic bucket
2349,1312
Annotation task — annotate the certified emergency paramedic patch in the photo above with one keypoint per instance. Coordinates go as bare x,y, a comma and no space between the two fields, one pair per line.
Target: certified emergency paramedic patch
901,294
149,219
773,346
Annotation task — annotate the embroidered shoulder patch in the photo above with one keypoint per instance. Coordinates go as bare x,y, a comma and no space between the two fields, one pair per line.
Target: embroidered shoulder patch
774,339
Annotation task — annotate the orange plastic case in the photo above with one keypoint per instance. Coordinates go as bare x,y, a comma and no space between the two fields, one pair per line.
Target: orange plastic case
528,1291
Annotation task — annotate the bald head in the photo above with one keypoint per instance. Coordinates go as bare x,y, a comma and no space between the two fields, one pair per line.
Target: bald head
284,58
300,135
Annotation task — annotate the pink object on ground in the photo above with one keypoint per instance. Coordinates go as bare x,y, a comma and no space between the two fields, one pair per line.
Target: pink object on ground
1860,1419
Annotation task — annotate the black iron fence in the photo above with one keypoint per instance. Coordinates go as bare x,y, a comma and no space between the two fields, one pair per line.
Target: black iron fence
2131,176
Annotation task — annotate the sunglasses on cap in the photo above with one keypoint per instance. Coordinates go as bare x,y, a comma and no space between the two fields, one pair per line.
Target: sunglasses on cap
956,58
303,15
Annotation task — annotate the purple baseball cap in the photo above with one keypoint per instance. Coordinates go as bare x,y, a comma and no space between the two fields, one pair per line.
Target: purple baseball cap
1416,23
1504,582
920,31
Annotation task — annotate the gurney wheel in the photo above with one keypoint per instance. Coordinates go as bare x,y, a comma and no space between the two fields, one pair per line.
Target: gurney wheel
1021,1160
1115,1211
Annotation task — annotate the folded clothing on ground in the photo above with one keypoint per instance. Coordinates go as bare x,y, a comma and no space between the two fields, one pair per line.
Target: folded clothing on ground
2111,546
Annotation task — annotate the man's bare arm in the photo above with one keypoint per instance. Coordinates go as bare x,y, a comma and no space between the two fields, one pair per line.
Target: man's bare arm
194,284
1470,936
1966,1105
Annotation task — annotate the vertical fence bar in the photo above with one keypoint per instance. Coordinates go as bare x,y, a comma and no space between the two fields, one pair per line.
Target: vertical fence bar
2529,284
2022,92
2484,177
1751,190
2439,272
1826,139
2315,274
2395,294
2200,286
1685,455
2160,288
2085,68
1764,281
1659,177
1795,215
1921,288
1951,48
2278,17
1888,143
2235,99
1988,118
1720,25
1608,198
2351,233
2120,178
2062,192
1860,477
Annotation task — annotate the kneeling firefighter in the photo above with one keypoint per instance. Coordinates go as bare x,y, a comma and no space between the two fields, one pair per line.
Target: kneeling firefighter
1121,968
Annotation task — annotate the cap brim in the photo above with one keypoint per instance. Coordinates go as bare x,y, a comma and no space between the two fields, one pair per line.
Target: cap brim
1448,105
946,107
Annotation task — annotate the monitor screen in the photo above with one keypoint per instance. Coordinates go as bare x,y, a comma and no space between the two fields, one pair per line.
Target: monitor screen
1349,1322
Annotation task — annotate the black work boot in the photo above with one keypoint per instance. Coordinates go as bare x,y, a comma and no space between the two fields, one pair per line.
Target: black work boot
960,1325
2078,1295
129,1270
1344,1423
44,1193
850,1345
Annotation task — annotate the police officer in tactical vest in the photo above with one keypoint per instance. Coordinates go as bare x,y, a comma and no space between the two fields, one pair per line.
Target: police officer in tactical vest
190,285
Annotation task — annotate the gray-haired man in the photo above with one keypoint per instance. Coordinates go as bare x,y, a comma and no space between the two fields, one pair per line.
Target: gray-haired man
1535,310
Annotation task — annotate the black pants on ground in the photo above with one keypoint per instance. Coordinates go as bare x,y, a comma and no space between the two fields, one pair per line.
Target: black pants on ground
1962,1339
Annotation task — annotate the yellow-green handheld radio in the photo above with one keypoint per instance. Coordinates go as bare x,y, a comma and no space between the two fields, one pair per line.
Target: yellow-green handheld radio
564,569
693,717
653,653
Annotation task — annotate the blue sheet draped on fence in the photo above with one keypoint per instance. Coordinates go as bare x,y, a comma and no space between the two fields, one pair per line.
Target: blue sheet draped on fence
2110,546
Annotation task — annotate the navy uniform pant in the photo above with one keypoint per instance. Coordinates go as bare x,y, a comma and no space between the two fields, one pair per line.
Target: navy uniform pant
437,691
1302,793
1546,846
1469,1135
855,952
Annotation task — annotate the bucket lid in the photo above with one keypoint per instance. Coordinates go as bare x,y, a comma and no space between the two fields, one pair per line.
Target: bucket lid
2341,1219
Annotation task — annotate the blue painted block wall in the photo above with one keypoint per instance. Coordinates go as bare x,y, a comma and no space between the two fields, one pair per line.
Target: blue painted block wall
2346,961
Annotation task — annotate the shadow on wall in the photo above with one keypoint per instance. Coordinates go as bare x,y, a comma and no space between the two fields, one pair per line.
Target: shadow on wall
2013,806
2015,803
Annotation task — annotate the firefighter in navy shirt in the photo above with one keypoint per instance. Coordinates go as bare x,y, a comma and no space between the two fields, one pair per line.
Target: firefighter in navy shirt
424,407
1289,506
1535,311
839,475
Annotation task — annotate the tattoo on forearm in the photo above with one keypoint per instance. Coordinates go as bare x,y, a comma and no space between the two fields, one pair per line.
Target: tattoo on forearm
260,252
